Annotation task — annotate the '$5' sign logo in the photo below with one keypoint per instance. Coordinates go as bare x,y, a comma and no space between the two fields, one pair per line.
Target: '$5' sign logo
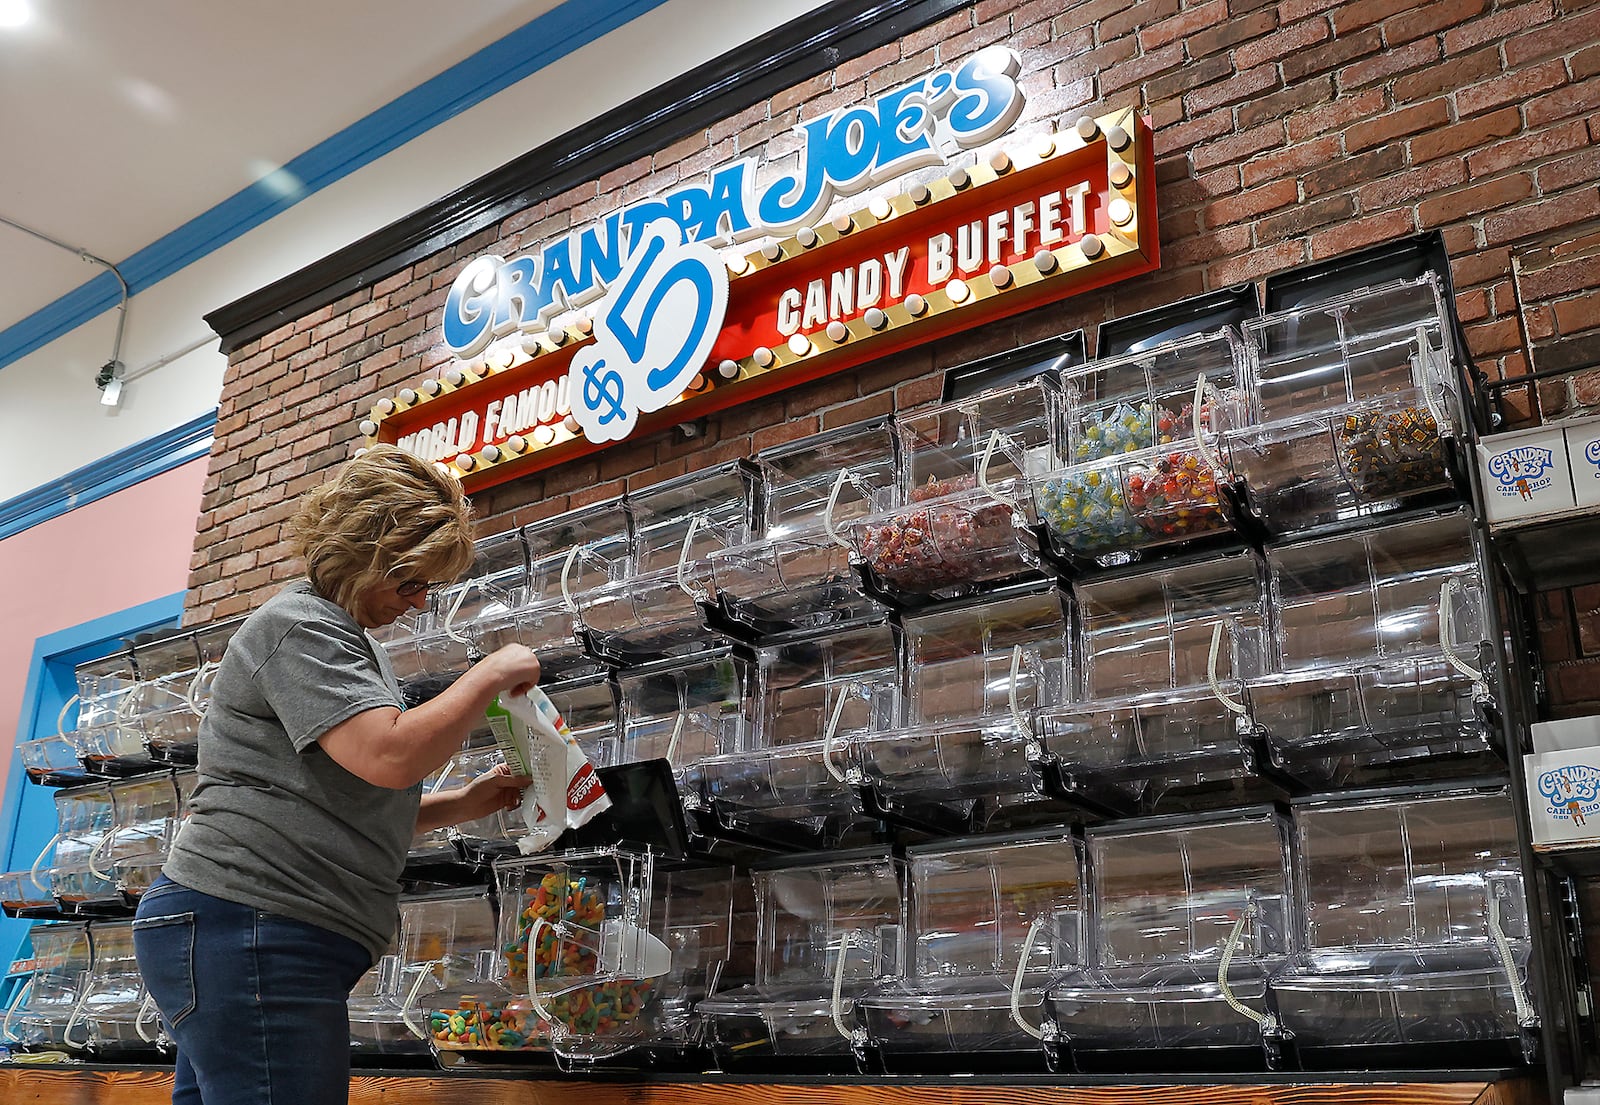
654,329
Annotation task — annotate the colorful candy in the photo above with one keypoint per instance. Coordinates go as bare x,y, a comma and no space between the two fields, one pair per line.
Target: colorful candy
1387,453
944,543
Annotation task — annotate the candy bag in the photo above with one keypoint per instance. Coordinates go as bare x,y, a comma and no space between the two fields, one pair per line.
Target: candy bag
535,739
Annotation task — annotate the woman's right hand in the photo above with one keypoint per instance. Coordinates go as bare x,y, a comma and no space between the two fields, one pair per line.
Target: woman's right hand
516,668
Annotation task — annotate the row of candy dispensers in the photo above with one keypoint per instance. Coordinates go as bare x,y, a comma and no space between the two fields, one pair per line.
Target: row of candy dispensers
1379,926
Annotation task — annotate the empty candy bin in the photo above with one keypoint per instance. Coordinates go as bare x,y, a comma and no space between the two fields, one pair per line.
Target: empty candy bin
990,920
1378,649
971,674
479,610
569,556
166,707
654,608
110,740
813,693
961,513
378,1029
114,1019
828,932
681,711
42,1010
1139,468
1191,915
85,817
146,816
1415,932
1161,715
797,573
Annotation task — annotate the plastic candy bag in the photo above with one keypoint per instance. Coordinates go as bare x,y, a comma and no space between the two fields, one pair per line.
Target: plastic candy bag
535,740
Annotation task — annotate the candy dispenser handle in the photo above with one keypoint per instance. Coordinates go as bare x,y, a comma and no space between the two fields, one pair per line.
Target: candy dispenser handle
832,732
61,719
148,1012
695,593
17,1003
847,941
77,1016
1447,630
455,608
677,731
202,673
567,598
995,437
539,1010
1022,971
33,872
98,850
1211,671
408,1007
1018,718
1264,1020
1502,947
833,503
1202,388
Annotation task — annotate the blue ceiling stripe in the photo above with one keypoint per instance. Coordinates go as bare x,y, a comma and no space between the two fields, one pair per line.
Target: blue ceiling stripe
491,70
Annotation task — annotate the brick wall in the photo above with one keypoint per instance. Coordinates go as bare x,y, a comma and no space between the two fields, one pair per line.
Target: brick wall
1285,132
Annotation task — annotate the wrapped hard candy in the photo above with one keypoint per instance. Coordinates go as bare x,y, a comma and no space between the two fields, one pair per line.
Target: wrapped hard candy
1176,496
1390,453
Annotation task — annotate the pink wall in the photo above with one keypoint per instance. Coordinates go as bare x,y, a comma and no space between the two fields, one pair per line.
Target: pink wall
112,554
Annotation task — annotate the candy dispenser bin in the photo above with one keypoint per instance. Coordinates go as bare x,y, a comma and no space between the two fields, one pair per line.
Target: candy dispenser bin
434,854
378,1032
681,711
146,815
1359,408
971,674
114,1020
211,642
478,611
457,994
401,642
1161,719
812,693
168,669
26,894
828,932
798,572
579,936
655,608
1415,934
962,515
569,555
1140,468
40,1014
109,738
1191,914
1378,653
54,760
85,817
990,920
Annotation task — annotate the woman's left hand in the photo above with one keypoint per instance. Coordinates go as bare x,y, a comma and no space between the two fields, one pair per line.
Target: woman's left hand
494,790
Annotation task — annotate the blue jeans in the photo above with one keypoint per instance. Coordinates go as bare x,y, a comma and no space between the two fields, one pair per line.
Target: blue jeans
256,1002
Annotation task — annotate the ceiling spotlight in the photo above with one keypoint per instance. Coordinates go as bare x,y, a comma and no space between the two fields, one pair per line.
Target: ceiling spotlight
109,381
13,14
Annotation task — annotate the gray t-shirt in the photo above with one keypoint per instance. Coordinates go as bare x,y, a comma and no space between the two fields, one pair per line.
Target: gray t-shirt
275,823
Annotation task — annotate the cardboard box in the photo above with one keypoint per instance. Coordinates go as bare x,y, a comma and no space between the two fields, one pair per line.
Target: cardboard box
1570,735
1564,797
1526,475
1583,458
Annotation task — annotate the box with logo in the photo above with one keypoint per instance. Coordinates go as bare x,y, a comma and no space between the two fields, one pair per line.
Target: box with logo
1583,454
1564,797
1525,474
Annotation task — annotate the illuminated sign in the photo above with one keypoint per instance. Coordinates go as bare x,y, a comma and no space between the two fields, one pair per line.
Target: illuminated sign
677,328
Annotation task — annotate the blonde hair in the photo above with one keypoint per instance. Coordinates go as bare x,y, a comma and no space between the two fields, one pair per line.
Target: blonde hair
385,515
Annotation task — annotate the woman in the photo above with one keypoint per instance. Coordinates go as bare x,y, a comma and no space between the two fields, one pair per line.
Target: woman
282,887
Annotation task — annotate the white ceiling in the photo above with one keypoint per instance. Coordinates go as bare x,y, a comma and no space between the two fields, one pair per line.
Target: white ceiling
120,121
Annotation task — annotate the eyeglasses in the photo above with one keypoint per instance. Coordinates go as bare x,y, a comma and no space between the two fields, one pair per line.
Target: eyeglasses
411,588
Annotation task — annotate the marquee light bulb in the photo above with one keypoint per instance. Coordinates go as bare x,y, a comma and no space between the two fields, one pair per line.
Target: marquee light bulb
544,435
762,356
430,387
368,428
875,318
880,208
799,345
958,291
465,462
728,369
1092,246
407,396
490,454
1000,276
1121,211
915,305
384,406
453,376
1044,261
516,443
806,237
837,331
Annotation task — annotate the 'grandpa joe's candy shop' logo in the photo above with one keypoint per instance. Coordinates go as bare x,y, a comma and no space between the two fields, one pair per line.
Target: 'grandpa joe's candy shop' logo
1522,471
1571,793
1592,455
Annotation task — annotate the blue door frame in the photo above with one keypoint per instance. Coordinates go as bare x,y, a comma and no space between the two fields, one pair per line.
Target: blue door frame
28,814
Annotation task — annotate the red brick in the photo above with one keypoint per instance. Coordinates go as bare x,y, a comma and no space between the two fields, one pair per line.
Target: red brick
1231,32
1350,172
1431,20
1538,218
1277,105
1207,71
1510,88
1183,25
1564,103
1332,55
1480,267
1341,113
1282,43
1583,168
1252,203
1256,264
1396,124
1494,28
1573,316
1555,40
1474,200
1141,69
1304,217
1529,147
1486,338
1469,135
1577,682
1242,87
1290,161
1389,62
1586,389
1584,64
1447,76
1366,12
1185,136
1238,147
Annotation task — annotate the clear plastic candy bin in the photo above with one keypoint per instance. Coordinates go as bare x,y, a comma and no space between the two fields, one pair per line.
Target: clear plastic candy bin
115,1018
1415,933
478,612
971,673
85,818
962,514
1358,406
110,739
1378,646
146,815
378,1031
1139,468
654,608
458,997
569,555
812,694
418,673
797,572
1191,915
579,937
681,711
167,711
828,932
1161,716
39,1015
991,920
